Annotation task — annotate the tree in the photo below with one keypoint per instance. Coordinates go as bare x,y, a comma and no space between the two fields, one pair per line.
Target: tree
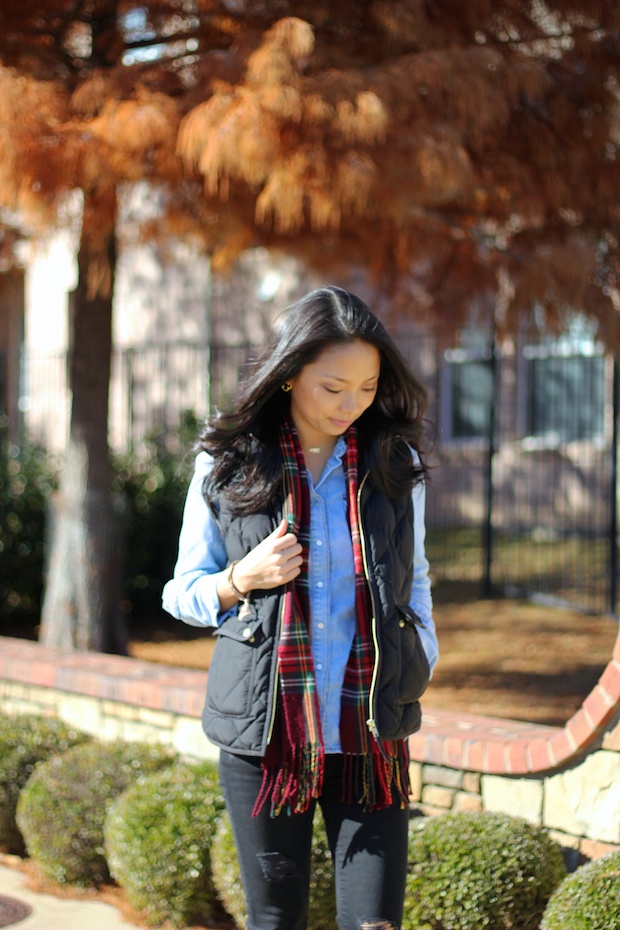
68,123
465,154
460,151
11,314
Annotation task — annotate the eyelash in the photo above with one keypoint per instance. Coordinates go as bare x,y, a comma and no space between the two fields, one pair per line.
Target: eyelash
366,390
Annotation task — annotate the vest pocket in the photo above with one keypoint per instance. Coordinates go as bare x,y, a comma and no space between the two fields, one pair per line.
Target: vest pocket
244,627
414,671
230,682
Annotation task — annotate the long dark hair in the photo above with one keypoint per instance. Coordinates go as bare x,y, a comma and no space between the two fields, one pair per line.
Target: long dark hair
244,442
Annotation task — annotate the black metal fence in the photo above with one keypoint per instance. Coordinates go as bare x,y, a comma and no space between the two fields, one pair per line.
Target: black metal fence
524,482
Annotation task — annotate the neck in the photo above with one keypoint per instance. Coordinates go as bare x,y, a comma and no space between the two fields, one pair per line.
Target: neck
314,444
318,447
316,458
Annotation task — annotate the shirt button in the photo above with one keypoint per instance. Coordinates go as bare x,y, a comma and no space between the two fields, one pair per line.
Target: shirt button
321,626
319,542
319,584
319,667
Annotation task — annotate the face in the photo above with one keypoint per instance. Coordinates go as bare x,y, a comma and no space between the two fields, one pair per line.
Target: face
331,392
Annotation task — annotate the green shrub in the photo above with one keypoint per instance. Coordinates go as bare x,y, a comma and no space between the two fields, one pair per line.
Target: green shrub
24,741
227,877
154,485
62,809
589,899
158,837
470,871
28,477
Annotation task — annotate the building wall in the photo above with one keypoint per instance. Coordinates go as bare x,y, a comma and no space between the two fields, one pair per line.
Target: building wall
182,337
161,300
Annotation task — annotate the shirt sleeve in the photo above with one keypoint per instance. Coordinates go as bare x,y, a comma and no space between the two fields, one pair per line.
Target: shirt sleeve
421,598
191,594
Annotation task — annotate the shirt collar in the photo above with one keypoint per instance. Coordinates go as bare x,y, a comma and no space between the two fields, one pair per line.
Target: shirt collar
339,450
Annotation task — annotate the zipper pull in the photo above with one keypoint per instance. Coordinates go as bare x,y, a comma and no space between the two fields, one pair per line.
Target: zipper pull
372,726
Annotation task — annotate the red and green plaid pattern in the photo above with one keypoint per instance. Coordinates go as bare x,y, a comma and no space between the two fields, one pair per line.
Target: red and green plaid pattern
296,777
387,763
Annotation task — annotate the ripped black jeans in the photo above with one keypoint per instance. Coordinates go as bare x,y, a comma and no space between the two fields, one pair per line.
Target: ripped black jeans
369,852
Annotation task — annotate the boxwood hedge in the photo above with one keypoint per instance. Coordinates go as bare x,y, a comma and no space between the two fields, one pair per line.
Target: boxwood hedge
479,870
589,899
62,809
158,837
24,741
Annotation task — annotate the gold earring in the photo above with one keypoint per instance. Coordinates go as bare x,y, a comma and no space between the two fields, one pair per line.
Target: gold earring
287,386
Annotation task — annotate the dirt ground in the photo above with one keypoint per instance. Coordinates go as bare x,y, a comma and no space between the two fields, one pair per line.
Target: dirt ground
505,658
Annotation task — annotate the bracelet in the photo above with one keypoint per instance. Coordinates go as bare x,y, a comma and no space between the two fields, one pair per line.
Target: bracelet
235,589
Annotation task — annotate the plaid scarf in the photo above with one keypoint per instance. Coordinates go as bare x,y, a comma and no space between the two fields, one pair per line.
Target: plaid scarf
377,772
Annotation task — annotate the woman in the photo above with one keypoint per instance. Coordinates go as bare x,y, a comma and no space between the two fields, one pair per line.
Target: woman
303,543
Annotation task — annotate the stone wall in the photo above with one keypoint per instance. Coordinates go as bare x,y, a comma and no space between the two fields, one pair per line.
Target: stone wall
578,801
109,697
565,778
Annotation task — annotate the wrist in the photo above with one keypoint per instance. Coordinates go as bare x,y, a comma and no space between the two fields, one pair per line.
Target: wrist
237,582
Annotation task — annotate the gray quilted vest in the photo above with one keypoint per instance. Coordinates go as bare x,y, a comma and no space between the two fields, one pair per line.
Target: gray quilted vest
242,685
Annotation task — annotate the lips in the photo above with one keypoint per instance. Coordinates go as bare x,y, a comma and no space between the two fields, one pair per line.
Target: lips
341,424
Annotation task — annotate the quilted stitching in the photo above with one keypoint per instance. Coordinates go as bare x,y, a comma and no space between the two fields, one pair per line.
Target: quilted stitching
388,534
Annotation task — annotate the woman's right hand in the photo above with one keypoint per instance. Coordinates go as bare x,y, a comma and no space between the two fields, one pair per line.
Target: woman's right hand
274,562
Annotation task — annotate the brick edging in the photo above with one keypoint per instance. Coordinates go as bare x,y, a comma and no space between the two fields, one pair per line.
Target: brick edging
464,741
505,747
114,678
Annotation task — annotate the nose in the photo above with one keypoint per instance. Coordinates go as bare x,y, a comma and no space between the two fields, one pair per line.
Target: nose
348,402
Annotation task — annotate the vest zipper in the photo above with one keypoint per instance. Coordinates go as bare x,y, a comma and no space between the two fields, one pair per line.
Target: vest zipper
370,723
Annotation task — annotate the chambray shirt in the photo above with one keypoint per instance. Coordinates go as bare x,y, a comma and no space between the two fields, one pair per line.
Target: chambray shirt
191,595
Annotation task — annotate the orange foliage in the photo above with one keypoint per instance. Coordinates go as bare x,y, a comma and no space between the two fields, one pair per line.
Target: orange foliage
444,147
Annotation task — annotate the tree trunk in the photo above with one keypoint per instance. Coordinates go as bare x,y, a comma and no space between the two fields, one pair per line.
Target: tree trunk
80,610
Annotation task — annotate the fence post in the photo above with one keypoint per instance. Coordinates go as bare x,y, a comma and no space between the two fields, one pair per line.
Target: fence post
488,526
129,353
613,522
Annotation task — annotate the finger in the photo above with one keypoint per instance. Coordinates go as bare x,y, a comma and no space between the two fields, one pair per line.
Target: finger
287,564
291,573
281,538
283,544
288,548
281,529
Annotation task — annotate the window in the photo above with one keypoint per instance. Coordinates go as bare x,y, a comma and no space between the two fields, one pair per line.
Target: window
564,393
467,391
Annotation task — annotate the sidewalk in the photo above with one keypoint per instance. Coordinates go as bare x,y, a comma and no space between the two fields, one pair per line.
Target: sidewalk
52,913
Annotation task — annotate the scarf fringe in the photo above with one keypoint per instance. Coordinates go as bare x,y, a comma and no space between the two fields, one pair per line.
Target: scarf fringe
292,785
374,781
377,779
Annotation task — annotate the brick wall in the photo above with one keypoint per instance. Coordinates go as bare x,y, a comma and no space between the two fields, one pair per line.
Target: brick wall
566,778
108,696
